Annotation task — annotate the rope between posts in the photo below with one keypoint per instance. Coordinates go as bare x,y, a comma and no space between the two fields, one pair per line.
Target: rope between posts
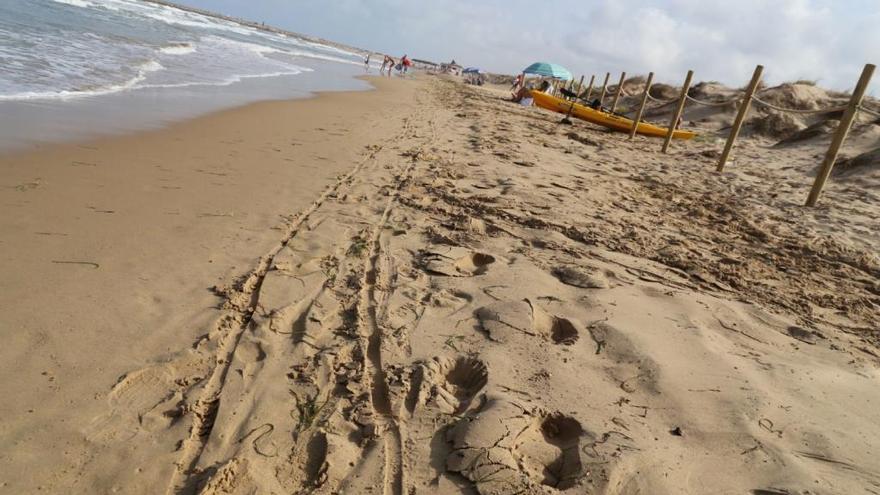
709,103
794,110
869,112
662,102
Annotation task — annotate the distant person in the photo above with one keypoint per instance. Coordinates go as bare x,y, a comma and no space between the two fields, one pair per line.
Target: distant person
517,82
521,93
367,63
388,63
391,64
406,63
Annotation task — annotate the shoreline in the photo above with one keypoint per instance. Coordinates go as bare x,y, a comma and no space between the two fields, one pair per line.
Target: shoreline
36,124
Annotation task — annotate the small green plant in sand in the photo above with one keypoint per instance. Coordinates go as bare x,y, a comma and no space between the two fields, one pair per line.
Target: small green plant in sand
330,268
307,410
358,246
451,342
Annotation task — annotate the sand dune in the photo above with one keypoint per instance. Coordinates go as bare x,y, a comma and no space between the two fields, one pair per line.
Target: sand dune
488,301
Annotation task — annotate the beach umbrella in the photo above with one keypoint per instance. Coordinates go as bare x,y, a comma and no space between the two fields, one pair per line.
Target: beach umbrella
547,69
472,70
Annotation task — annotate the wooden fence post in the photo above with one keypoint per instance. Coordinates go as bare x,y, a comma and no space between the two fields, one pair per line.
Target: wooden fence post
740,117
590,90
617,94
604,87
567,119
632,133
677,115
840,134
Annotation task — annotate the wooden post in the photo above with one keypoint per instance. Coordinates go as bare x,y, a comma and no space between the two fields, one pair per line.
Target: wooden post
677,115
740,116
632,133
617,94
590,89
840,134
604,87
567,118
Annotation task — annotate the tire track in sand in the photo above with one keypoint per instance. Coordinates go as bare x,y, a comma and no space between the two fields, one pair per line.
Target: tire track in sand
375,280
240,306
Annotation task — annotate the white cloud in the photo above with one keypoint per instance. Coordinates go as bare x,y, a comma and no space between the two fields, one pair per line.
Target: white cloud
826,40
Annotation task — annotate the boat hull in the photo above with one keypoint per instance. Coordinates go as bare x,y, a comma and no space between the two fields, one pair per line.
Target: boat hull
604,119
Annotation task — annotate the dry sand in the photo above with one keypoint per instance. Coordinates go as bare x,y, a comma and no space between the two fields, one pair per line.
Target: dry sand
462,296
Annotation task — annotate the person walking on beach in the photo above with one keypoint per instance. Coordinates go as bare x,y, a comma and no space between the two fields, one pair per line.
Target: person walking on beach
367,63
389,62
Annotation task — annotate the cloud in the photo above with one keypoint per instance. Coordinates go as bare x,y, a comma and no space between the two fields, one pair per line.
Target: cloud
824,40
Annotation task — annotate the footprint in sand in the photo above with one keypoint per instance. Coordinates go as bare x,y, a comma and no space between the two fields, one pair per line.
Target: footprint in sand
549,451
506,449
559,330
460,381
148,398
504,320
562,331
449,384
250,351
457,262
583,277
482,447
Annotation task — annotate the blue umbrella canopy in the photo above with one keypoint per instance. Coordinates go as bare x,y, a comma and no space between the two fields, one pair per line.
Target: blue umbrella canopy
547,69
472,70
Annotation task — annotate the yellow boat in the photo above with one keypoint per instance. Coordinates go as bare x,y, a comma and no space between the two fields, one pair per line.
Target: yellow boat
604,119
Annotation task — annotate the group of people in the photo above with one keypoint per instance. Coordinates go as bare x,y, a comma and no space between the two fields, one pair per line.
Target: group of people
520,90
389,64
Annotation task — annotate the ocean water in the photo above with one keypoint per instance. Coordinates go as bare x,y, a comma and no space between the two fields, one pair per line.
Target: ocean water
60,59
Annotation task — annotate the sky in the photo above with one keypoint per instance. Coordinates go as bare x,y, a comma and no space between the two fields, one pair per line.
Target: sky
827,41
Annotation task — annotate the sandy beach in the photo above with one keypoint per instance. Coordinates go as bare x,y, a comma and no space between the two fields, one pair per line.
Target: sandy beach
427,289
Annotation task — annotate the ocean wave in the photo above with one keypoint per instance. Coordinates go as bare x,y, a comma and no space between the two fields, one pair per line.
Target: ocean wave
144,69
329,58
87,60
135,84
86,4
236,78
264,50
77,3
171,15
178,49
